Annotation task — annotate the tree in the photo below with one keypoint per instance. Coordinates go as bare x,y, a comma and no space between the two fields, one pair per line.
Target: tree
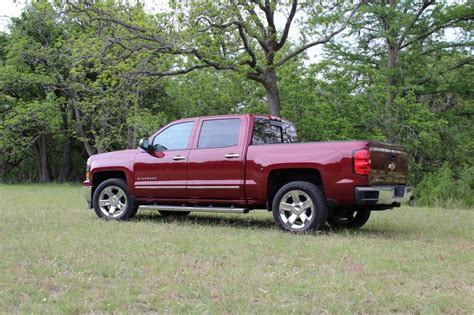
57,93
395,32
235,35
409,63
28,88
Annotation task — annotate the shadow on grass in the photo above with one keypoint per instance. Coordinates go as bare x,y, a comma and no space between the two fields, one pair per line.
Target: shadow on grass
269,223
214,220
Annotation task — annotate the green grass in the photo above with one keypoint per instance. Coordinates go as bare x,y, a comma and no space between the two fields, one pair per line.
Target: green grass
55,256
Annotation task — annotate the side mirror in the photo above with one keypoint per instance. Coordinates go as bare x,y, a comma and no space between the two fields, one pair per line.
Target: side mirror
145,145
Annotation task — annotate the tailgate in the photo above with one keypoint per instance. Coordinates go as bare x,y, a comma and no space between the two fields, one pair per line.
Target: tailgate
389,163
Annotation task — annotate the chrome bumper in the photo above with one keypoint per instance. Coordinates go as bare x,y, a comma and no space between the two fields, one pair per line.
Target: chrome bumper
383,195
87,191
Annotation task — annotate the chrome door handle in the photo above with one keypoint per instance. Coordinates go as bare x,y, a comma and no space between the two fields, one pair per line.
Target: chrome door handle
231,155
179,157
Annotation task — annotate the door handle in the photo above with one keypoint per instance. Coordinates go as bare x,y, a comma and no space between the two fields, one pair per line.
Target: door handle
231,155
179,157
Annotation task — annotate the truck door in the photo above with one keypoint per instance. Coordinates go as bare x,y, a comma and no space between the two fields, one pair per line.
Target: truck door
216,162
162,173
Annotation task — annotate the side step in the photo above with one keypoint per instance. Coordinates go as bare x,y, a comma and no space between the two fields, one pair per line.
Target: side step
194,209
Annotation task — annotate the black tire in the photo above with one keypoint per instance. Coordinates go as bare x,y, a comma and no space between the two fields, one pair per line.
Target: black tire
134,211
126,205
351,220
307,219
174,214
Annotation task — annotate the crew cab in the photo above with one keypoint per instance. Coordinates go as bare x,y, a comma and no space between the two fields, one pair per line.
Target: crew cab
238,163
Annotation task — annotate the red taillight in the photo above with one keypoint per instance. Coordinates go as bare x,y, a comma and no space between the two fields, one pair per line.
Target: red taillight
361,160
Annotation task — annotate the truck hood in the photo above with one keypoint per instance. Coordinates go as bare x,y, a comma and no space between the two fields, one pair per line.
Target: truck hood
114,158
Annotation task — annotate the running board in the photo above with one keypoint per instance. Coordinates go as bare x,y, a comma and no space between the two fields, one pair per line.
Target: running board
194,209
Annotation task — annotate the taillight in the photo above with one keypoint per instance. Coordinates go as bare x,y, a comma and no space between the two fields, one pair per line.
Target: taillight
361,160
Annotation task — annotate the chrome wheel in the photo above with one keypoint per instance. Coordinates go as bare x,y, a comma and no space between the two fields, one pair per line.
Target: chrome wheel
112,201
296,209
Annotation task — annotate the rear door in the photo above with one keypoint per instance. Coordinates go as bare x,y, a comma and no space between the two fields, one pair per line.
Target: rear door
216,162
389,164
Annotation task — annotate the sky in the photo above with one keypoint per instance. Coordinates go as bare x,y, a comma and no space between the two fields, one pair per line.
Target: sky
12,8
9,8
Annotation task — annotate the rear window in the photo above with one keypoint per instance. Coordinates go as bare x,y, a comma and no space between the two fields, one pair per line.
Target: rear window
219,133
266,131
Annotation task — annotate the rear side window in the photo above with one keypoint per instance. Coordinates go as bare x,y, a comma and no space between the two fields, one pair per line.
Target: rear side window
266,131
219,133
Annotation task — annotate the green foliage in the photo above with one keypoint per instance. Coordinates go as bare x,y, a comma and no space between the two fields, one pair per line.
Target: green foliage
75,82
446,190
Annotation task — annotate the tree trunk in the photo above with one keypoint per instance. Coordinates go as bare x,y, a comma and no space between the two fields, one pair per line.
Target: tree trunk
271,86
65,170
42,159
392,68
89,149
392,55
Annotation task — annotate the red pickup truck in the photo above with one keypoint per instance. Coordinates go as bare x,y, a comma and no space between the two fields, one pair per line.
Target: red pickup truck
236,163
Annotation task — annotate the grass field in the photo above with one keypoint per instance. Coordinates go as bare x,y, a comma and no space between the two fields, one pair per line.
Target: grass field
55,256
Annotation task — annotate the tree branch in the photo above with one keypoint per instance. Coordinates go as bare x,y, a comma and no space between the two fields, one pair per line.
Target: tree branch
244,25
435,29
458,65
415,19
286,30
173,72
250,52
301,49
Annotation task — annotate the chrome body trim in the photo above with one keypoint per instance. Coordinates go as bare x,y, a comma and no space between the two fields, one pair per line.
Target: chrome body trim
193,209
183,187
383,195
387,150
179,157
213,187
87,193
157,187
231,155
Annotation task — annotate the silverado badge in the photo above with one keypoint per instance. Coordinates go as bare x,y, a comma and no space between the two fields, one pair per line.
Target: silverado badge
392,166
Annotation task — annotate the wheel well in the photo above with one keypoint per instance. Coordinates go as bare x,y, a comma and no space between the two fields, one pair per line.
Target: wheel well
278,178
102,176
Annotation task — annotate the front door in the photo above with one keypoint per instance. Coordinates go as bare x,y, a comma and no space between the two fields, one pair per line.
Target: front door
215,165
162,173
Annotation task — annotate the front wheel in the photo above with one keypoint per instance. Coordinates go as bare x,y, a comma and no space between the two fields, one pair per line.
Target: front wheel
112,201
300,207
349,220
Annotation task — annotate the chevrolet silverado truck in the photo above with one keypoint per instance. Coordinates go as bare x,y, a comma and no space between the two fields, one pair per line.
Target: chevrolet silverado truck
238,163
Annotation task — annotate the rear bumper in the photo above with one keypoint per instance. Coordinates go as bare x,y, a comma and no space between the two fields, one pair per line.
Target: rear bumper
383,195
87,192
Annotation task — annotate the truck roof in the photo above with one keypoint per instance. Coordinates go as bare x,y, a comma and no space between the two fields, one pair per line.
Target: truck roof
250,115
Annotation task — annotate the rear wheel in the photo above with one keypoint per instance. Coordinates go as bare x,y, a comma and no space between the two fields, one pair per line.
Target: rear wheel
299,207
112,201
349,220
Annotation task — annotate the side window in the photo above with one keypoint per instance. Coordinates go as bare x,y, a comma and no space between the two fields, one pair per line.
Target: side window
175,137
266,131
219,133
